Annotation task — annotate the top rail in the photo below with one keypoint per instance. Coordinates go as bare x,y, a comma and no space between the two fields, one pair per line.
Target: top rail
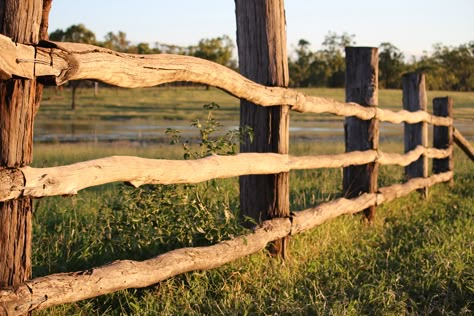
60,62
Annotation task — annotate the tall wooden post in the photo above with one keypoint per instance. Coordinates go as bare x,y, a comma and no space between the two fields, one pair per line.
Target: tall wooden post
261,40
22,21
443,135
361,88
414,99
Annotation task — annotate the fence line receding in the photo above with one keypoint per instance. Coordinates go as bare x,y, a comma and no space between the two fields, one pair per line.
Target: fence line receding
59,62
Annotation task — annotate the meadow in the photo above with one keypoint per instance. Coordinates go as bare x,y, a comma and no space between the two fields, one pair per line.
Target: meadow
416,257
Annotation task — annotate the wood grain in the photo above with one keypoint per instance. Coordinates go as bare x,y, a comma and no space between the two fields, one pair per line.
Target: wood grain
68,180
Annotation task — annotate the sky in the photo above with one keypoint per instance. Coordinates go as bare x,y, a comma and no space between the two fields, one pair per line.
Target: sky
413,26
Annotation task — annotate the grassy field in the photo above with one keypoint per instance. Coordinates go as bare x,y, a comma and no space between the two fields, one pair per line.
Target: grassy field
144,114
416,258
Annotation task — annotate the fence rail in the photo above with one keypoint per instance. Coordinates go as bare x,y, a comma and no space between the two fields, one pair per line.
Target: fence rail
68,180
59,62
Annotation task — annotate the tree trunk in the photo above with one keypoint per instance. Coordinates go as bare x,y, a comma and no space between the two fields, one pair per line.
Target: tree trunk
19,99
261,40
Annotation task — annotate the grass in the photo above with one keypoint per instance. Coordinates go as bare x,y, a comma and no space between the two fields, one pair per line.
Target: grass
416,257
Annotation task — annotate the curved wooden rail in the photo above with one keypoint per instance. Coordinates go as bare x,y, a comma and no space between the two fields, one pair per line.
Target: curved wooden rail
63,288
60,62
68,180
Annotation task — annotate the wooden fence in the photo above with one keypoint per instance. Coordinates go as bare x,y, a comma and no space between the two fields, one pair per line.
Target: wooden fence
60,62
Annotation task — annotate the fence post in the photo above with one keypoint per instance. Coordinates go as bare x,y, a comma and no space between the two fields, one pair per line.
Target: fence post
261,41
362,88
25,22
443,135
414,99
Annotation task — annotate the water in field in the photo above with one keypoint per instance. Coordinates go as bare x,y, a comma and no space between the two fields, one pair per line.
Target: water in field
155,132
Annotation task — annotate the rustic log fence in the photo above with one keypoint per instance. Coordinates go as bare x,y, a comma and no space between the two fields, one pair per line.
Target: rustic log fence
59,62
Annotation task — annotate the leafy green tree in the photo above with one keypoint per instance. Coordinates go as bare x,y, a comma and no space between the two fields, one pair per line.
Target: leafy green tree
76,33
217,49
391,66
117,42
325,67
333,55
458,65
448,68
300,68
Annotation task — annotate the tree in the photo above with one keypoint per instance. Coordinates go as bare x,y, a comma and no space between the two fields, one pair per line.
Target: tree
117,42
325,67
76,33
25,22
300,68
333,55
218,50
448,68
391,66
458,66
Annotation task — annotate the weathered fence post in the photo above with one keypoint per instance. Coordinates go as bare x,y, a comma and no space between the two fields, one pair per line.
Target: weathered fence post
362,88
443,135
261,41
19,98
414,99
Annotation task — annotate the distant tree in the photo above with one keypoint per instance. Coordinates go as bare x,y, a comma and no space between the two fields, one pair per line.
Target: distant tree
391,66
217,49
76,33
333,54
117,42
325,67
144,48
300,68
448,68
170,49
458,65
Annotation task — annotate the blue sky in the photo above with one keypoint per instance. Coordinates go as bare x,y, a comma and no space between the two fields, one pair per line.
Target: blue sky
411,25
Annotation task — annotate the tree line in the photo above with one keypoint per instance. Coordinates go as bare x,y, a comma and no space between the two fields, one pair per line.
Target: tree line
446,68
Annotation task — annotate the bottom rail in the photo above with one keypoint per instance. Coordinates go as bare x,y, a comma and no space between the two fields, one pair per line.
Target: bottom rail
63,288
463,143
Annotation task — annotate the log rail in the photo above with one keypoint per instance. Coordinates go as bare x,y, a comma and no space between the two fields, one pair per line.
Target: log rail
68,180
56,63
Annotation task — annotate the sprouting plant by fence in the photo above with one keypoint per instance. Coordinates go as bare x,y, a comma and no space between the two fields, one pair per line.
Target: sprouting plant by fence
67,61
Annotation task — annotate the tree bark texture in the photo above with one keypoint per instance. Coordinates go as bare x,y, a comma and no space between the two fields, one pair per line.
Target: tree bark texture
21,21
261,40
362,88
